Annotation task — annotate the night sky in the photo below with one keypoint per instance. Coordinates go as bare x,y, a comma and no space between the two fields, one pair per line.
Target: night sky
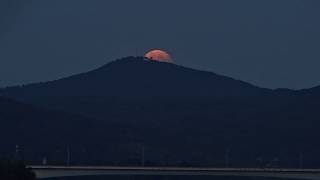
269,43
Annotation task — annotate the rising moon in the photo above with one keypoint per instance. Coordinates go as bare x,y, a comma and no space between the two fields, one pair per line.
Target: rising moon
159,55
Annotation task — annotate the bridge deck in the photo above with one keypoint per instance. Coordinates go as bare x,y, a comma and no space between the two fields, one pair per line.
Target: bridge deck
60,171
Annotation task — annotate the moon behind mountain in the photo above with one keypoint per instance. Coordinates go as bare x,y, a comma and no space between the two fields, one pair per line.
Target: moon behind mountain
159,55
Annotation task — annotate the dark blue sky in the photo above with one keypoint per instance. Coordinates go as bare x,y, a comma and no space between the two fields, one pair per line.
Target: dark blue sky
270,43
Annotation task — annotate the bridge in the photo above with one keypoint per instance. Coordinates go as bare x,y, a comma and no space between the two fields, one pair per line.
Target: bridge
67,171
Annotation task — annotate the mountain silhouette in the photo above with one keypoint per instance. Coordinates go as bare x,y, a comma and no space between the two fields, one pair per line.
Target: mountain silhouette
139,77
166,108
27,125
31,133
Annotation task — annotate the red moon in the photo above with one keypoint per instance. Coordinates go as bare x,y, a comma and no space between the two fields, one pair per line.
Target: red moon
159,55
